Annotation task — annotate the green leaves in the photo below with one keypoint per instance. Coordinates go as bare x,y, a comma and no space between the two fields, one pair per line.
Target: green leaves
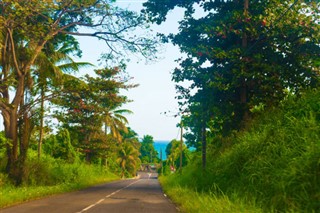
90,102
128,159
147,150
239,59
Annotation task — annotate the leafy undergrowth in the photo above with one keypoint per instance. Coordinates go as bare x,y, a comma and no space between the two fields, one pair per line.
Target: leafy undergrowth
273,166
51,176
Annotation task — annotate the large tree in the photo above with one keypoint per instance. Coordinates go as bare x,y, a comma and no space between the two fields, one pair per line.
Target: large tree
86,104
26,27
240,54
52,63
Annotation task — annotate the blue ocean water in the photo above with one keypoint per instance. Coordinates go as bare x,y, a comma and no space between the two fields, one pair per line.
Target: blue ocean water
161,145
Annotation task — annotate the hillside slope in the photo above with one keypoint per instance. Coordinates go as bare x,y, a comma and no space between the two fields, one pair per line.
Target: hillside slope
272,166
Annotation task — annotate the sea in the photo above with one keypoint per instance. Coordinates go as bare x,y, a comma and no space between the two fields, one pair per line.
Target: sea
161,146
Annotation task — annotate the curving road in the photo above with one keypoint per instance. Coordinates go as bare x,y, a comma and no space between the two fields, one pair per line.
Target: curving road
125,196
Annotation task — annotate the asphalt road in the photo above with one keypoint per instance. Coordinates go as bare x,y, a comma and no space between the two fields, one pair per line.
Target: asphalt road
125,196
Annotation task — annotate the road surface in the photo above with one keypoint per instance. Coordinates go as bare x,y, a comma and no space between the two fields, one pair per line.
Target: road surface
125,196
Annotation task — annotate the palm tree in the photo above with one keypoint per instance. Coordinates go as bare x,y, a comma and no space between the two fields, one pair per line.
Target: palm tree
128,159
52,63
116,122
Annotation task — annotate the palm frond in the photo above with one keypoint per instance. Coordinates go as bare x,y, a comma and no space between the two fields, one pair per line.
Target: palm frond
74,66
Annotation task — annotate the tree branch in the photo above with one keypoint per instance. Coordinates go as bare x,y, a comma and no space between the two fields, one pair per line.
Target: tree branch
29,106
14,53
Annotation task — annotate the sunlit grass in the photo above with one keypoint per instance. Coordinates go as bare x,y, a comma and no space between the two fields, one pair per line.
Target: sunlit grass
189,200
50,176
10,195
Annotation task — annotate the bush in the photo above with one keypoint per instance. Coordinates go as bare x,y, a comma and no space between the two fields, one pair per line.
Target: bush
49,171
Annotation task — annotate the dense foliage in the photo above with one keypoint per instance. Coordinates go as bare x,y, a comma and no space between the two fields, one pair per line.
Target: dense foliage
48,175
148,153
173,153
273,166
37,46
242,59
239,56
241,83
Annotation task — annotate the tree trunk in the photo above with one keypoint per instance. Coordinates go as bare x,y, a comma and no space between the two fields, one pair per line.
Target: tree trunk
11,133
181,143
25,130
204,146
88,157
88,150
41,123
16,152
10,62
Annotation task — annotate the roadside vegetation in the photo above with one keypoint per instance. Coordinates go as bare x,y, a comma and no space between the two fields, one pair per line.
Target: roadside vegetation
64,130
271,166
250,107
248,92
50,176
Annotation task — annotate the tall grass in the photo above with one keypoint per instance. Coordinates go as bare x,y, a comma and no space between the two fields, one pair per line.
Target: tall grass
189,199
273,165
51,176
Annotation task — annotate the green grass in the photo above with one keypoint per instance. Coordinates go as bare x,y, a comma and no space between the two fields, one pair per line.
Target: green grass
11,195
51,176
190,200
273,166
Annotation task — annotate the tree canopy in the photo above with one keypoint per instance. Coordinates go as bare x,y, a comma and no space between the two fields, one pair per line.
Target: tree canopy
240,57
31,33
147,150
280,51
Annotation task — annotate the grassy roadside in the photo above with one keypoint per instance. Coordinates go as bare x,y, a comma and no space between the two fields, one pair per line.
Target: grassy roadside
273,166
51,176
190,200
11,195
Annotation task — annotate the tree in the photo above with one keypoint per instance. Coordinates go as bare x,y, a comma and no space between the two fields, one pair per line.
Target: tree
128,159
173,154
63,148
51,64
86,105
147,150
115,120
26,27
130,136
239,55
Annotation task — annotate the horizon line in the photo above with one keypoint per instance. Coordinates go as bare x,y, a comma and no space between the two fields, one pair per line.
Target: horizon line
127,1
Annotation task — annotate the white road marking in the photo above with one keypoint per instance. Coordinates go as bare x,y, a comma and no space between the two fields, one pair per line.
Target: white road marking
89,207
101,200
